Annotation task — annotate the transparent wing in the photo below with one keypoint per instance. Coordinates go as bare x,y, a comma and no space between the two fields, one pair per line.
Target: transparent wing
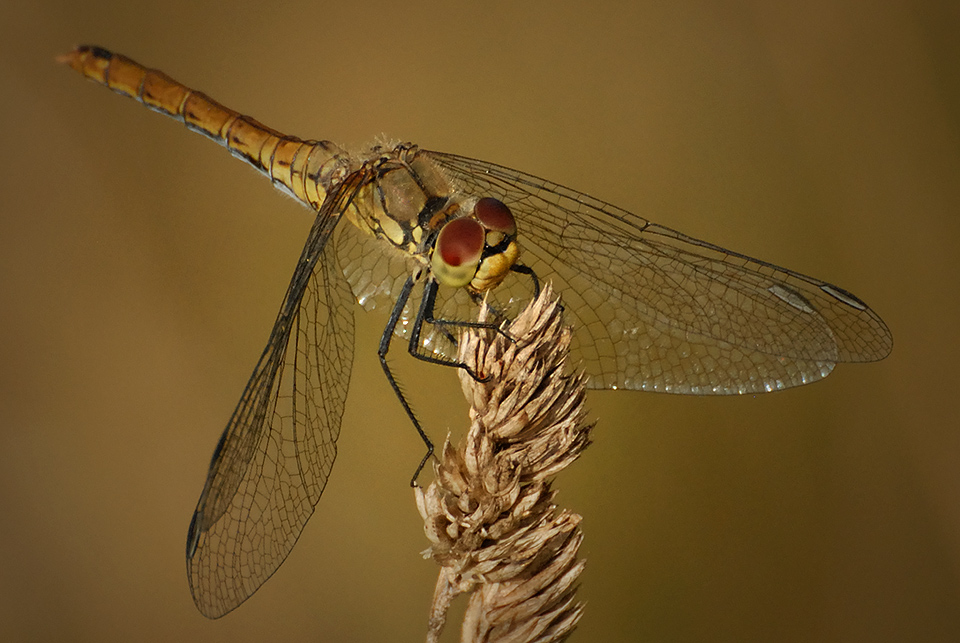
654,309
374,269
275,456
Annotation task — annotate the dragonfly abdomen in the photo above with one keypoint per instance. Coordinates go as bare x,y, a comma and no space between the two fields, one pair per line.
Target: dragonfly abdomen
302,169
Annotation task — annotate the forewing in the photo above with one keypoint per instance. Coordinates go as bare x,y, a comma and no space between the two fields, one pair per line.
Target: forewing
654,309
275,456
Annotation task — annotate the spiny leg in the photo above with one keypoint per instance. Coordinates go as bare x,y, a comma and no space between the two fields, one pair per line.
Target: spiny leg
527,270
426,306
425,315
382,353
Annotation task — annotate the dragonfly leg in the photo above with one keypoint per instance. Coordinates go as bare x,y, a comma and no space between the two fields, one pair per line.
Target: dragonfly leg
425,315
382,351
527,270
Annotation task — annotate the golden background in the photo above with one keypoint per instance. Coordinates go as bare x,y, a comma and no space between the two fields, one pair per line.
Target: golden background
141,268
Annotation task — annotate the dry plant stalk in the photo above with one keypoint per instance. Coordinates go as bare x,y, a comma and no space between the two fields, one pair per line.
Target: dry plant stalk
489,514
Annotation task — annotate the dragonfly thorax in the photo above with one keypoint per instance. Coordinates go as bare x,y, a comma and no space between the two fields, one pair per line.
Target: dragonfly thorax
403,200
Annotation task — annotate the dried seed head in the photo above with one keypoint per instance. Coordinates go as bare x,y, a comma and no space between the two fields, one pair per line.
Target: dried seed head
489,514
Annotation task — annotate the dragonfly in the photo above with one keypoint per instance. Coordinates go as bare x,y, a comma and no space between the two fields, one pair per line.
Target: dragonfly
434,237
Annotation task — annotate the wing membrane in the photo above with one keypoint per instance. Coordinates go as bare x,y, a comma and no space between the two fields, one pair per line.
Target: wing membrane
654,309
275,456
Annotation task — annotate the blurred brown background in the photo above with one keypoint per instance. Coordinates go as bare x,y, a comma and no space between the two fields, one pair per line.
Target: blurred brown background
141,268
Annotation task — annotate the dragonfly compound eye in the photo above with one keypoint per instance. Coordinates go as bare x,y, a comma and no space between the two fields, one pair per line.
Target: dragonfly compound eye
495,215
457,252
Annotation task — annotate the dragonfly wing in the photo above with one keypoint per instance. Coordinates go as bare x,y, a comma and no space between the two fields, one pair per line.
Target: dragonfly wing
654,309
375,269
273,460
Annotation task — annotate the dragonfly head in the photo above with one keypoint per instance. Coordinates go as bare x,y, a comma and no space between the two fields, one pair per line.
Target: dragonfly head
477,251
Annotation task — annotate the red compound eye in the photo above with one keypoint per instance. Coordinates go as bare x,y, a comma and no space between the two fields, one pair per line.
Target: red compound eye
456,256
460,242
495,215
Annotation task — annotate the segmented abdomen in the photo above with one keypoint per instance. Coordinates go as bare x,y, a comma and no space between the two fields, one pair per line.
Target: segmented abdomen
294,165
